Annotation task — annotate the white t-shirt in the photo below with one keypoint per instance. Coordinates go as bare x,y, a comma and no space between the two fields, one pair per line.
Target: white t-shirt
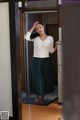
42,48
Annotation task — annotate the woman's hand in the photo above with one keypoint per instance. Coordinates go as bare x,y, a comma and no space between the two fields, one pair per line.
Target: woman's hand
56,43
33,27
35,23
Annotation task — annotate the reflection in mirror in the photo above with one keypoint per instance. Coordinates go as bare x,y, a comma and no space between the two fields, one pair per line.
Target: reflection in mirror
42,68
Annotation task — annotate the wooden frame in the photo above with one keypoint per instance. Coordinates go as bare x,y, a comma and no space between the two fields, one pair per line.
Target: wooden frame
15,59
22,50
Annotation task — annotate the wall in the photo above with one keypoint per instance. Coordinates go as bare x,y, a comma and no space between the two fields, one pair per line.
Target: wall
71,60
5,62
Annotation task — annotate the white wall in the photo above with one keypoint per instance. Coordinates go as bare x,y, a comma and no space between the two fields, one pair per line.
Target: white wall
5,62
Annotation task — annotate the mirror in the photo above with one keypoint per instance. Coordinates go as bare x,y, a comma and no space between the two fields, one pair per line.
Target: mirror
50,20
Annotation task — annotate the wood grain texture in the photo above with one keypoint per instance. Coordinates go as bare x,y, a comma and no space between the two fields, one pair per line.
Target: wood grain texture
37,112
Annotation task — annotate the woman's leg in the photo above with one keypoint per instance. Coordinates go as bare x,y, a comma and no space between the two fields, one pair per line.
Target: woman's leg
38,87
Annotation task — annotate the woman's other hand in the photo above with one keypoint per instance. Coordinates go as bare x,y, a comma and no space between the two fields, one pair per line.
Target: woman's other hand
56,43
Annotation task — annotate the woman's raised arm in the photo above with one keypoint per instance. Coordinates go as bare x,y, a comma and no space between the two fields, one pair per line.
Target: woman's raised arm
27,36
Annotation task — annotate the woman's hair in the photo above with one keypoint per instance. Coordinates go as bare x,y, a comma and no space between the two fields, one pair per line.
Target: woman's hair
34,35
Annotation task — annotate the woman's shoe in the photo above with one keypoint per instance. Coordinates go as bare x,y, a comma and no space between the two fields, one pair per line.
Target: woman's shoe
36,101
41,98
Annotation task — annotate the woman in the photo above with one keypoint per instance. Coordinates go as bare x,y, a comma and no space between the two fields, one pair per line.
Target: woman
42,81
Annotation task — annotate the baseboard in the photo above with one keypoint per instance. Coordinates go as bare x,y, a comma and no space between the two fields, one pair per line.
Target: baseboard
11,118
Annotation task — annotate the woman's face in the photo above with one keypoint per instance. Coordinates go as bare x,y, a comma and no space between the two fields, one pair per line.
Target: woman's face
39,28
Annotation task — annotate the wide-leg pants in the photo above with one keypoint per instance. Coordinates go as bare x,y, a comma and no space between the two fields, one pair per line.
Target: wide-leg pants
42,77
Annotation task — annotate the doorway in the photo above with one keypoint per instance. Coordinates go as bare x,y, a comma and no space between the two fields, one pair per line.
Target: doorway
49,18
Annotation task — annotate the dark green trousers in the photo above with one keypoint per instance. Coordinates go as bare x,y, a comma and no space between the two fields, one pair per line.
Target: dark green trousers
42,77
